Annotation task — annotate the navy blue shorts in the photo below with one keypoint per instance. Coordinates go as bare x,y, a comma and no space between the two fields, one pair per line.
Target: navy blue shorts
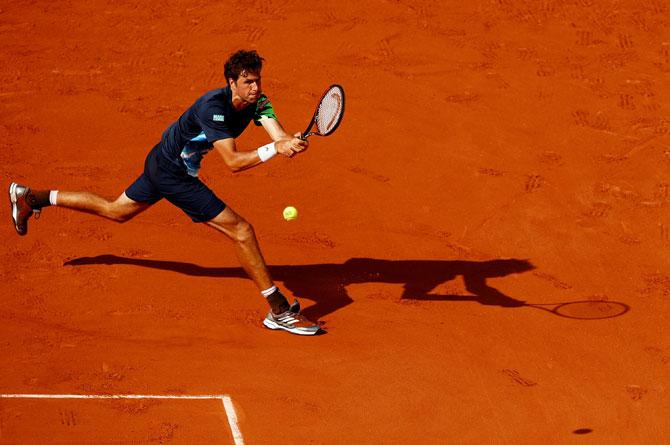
164,179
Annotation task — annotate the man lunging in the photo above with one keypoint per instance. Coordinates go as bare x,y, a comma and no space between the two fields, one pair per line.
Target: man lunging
171,172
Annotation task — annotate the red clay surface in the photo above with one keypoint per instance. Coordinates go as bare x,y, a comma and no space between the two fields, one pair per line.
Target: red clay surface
506,130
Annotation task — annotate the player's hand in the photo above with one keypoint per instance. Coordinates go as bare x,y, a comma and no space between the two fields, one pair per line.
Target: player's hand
291,147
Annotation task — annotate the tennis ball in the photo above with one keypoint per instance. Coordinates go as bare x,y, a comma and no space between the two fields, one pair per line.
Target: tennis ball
290,213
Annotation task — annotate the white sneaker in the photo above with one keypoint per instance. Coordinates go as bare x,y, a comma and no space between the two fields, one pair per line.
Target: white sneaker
293,322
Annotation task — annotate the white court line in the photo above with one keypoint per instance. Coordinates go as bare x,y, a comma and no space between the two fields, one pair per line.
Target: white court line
232,420
225,400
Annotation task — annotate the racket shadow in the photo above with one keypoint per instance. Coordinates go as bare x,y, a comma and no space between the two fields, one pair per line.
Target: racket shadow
585,309
325,284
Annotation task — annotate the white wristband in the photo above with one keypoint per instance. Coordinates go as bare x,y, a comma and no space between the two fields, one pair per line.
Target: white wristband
267,151
53,197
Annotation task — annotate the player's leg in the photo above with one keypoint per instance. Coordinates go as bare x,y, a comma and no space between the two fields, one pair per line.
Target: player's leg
281,316
120,210
200,203
246,246
139,196
25,202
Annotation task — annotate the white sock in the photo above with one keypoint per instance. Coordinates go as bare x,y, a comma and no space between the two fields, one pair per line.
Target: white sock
269,291
53,197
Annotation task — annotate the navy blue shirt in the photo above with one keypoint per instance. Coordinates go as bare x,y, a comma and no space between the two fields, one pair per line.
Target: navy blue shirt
211,118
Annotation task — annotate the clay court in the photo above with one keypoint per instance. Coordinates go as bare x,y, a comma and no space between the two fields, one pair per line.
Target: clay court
485,239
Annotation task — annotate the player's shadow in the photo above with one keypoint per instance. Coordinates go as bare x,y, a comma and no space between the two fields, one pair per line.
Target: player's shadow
325,284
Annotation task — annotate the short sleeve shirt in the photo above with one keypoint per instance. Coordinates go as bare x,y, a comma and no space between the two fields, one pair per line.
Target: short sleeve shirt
211,118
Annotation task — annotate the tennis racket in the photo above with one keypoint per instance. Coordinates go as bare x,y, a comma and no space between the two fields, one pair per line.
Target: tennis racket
328,114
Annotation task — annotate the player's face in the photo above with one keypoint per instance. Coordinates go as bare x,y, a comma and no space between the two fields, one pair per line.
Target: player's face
247,87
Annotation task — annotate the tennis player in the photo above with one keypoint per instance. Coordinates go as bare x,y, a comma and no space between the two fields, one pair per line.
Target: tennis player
171,172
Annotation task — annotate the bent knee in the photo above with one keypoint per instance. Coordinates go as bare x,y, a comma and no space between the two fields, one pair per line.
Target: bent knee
244,231
123,217
119,216
120,213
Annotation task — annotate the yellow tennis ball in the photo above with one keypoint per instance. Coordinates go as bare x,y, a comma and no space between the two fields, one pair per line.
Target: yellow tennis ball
290,213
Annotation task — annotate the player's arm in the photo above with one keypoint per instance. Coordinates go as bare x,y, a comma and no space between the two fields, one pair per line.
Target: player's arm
234,159
241,160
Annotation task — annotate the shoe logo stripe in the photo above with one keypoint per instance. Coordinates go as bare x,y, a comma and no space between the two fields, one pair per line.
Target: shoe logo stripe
288,320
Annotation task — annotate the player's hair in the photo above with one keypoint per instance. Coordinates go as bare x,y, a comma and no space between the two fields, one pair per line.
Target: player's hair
242,60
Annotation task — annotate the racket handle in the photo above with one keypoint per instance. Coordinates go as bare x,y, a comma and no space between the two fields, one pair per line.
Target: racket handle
307,133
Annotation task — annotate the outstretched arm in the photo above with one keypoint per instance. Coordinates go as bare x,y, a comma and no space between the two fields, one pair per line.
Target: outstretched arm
234,159
283,144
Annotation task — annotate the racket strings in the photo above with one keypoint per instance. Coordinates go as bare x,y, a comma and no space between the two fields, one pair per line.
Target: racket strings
330,111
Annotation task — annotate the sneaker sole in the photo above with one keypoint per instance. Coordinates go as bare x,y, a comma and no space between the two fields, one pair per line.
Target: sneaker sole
300,331
15,208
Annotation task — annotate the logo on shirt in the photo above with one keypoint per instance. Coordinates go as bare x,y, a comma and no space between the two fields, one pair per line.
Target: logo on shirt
218,118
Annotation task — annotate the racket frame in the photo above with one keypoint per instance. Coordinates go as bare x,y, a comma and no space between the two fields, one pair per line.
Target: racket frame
307,133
